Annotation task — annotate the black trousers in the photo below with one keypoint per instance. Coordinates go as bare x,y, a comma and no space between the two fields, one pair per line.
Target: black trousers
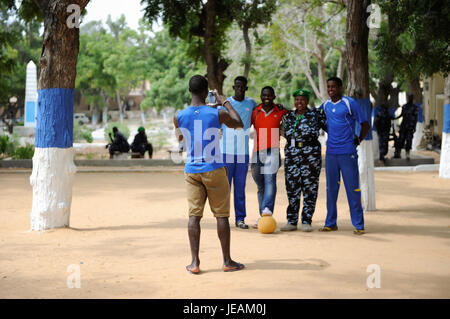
142,148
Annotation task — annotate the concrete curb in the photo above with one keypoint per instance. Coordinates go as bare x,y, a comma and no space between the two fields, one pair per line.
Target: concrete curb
418,168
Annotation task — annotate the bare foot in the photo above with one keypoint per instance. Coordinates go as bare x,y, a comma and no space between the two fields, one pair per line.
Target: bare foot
232,266
193,268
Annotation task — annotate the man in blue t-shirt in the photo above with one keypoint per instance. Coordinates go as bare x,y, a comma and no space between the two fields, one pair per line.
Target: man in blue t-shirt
205,174
343,114
235,148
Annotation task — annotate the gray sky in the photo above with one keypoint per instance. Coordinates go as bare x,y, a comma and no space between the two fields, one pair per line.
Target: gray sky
100,9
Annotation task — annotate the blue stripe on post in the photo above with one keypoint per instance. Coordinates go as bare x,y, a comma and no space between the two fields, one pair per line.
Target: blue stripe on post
420,113
365,107
375,112
54,127
446,127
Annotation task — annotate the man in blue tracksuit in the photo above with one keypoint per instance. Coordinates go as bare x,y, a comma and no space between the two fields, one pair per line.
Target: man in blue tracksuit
235,148
342,114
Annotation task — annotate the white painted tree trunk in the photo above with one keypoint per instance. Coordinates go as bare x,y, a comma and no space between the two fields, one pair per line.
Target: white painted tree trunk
52,179
444,166
366,177
418,135
375,145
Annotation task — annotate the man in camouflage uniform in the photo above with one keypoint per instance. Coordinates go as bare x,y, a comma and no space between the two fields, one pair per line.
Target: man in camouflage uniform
383,125
303,159
407,128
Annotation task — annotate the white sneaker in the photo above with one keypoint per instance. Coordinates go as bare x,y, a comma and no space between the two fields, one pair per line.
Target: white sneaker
306,227
266,212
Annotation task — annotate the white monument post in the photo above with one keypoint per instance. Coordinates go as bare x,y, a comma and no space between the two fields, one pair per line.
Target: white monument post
31,96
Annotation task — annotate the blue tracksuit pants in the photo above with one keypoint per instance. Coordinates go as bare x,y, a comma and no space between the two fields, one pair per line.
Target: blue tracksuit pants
237,166
347,165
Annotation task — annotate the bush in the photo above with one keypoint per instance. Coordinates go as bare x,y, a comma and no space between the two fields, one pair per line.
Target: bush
8,145
24,152
122,127
81,132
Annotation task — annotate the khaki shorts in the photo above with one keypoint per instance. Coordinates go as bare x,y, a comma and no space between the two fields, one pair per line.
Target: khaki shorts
212,185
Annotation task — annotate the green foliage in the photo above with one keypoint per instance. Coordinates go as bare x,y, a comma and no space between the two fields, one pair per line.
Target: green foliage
24,152
19,43
8,145
169,69
122,127
81,132
187,19
92,80
416,41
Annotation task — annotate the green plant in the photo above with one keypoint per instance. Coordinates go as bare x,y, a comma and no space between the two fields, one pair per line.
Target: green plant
81,132
122,127
24,152
8,145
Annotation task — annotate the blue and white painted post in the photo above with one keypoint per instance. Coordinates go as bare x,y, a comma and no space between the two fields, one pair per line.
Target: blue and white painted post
375,141
53,167
365,160
31,95
418,134
444,166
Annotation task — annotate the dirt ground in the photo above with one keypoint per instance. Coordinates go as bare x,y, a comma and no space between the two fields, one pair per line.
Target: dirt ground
128,237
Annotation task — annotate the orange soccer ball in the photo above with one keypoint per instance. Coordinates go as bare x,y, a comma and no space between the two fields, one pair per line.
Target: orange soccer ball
267,224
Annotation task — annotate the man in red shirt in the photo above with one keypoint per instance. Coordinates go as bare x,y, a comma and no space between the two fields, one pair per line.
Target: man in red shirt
266,118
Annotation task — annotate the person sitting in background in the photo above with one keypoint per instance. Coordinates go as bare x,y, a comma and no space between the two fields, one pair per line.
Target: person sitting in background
118,144
140,143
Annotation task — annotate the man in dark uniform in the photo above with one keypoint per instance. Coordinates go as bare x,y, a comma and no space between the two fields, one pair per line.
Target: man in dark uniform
141,144
118,144
303,159
407,128
383,125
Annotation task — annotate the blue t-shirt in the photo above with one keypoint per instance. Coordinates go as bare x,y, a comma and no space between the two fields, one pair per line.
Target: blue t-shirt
342,117
236,141
201,130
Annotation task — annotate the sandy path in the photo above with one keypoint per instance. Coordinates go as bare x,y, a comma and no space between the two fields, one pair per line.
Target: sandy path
129,238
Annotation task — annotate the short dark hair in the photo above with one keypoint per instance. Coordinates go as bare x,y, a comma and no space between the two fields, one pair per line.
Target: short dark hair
335,79
198,84
115,129
241,78
268,88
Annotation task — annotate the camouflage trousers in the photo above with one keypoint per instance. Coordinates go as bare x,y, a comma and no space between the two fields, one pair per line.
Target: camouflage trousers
302,177
383,144
405,139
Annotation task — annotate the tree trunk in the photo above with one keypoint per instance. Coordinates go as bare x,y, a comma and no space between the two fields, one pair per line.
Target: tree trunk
321,73
53,167
358,87
384,89
119,104
415,89
215,65
341,66
444,167
248,52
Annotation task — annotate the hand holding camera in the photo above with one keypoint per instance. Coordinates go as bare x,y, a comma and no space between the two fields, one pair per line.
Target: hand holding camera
215,99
